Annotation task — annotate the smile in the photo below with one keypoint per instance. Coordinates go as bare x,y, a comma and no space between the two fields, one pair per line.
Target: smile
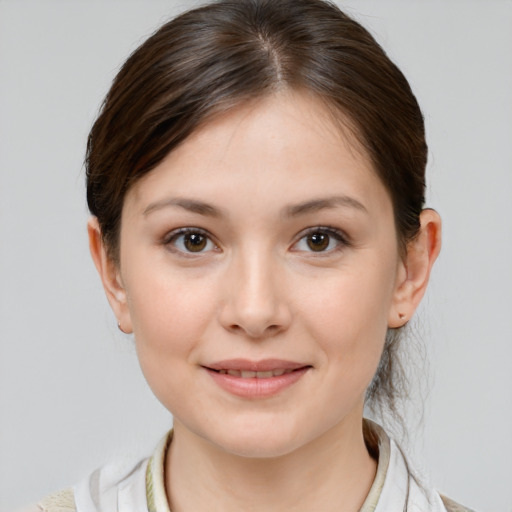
248,374
256,380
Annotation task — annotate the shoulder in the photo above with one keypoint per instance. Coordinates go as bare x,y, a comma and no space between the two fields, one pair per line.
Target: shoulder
400,487
100,491
121,482
452,506
61,501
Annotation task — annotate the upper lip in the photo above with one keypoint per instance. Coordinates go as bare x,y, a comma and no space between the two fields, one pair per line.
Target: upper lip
265,365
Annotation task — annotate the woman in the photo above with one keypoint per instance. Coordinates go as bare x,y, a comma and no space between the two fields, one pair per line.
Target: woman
256,180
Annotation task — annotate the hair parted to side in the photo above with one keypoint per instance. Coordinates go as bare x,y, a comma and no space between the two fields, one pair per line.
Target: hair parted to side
215,57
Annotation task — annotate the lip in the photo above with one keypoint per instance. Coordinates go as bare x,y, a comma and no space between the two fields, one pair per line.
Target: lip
265,365
255,387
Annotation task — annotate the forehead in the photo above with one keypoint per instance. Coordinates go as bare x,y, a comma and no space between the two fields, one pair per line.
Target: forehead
288,142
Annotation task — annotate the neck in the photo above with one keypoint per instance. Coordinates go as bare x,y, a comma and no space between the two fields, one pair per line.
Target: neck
332,473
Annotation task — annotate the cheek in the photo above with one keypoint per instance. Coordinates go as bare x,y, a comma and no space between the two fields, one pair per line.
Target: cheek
348,318
169,324
169,313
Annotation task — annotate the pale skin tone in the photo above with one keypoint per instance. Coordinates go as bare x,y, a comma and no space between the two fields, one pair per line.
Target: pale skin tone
290,252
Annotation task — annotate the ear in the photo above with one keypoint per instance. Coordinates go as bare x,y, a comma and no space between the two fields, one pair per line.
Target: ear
110,276
414,269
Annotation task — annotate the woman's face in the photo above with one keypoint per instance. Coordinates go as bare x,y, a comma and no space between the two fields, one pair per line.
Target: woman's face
264,243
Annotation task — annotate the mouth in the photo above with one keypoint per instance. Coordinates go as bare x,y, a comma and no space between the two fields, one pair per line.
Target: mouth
256,379
248,374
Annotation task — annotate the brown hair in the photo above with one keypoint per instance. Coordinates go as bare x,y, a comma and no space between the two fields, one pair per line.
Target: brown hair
215,57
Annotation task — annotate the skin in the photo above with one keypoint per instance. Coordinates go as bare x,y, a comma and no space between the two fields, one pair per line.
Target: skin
259,289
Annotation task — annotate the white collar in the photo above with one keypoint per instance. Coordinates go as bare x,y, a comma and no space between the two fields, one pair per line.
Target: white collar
142,488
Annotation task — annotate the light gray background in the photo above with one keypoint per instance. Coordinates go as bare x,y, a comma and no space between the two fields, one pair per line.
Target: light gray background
71,393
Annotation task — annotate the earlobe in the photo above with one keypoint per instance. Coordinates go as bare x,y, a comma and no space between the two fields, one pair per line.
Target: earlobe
414,272
110,276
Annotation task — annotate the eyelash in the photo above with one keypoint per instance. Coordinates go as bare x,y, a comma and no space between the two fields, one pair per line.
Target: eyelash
171,238
333,233
341,239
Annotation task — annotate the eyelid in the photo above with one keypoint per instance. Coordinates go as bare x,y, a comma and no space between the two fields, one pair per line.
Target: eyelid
174,234
339,235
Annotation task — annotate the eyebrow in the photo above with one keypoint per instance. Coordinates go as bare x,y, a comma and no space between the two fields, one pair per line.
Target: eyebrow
322,204
190,205
304,208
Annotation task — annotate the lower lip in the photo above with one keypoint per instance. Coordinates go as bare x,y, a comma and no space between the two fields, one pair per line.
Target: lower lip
254,387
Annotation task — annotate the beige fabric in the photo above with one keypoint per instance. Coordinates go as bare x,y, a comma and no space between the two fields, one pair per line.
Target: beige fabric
452,506
153,479
375,438
61,501
378,445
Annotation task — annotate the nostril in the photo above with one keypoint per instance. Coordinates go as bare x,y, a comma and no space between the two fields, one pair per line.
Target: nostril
255,333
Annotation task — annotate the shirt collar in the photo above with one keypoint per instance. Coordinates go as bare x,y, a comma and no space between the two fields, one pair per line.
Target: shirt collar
376,439
155,477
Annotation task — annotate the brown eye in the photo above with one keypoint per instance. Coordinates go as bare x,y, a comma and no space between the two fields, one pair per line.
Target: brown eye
194,242
321,240
318,241
190,241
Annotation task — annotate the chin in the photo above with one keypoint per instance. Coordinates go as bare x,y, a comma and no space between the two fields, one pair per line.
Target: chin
255,439
262,446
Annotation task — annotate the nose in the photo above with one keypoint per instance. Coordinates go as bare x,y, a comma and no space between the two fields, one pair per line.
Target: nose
255,297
